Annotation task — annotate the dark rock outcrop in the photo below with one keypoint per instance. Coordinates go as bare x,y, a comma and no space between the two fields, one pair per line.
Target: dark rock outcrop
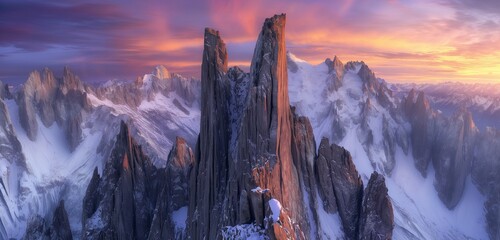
211,167
389,143
92,197
27,114
5,92
448,142
40,229
174,192
492,207
60,223
377,217
418,112
340,185
135,200
452,156
36,229
486,164
304,157
127,194
178,169
304,151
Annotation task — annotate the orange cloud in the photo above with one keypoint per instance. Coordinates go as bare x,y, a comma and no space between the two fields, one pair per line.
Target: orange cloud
401,40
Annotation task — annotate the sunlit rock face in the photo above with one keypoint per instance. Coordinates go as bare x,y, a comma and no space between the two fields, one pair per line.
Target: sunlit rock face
249,144
53,100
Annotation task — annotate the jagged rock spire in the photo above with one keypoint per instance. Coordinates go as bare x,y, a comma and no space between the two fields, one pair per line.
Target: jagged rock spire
269,70
211,169
259,134
377,217
340,185
126,193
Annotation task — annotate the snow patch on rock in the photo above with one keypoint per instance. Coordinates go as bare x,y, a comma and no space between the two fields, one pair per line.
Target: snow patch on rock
275,206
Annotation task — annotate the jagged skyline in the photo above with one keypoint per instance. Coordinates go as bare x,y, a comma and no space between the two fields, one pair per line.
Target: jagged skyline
402,41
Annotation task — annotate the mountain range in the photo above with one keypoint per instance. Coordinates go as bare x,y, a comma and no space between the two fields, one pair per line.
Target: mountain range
289,150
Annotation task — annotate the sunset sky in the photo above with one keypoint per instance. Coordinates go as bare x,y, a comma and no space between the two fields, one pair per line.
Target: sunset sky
401,40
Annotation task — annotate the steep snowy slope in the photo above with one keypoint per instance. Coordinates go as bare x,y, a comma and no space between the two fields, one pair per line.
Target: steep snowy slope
52,171
347,114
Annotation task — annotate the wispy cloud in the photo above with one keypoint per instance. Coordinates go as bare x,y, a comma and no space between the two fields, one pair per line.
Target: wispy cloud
401,40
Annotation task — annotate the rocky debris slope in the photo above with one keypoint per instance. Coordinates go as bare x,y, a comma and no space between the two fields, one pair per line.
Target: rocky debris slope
40,229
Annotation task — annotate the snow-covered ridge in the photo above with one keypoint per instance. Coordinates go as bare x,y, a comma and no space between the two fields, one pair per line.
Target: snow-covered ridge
483,100
158,108
377,135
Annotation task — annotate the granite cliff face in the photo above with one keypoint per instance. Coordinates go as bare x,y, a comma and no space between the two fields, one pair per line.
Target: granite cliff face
126,194
377,217
248,147
336,170
418,112
255,154
54,100
446,142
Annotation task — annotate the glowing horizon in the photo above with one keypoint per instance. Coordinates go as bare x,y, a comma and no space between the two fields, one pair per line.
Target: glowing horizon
402,41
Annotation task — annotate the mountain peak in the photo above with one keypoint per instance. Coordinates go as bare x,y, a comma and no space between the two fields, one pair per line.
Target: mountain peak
161,72
211,32
335,65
